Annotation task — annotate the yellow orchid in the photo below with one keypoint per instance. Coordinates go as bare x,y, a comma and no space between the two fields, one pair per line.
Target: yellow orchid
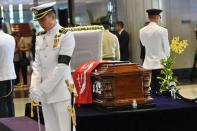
178,46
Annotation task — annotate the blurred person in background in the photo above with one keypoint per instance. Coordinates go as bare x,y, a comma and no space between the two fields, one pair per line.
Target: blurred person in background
110,44
33,42
17,58
123,38
22,58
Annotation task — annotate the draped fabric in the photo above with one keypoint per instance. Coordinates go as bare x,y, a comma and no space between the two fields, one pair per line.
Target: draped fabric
83,82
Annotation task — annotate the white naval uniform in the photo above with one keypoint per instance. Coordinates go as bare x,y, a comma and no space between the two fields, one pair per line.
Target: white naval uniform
49,77
155,40
7,47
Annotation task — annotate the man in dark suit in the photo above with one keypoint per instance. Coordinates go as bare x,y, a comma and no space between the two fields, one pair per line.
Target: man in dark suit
33,42
123,38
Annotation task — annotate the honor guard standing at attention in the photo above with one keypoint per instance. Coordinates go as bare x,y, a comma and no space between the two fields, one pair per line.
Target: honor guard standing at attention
155,40
54,49
7,73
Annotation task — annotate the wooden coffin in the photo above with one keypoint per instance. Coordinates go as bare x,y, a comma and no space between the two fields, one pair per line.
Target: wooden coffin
118,84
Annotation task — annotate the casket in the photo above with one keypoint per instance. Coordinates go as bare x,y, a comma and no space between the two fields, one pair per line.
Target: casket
120,84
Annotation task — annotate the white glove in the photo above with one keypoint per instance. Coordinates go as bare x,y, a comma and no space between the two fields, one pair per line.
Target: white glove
35,94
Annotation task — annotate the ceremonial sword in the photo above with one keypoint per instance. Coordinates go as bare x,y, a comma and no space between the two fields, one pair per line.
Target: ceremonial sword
38,113
72,104
71,86
38,116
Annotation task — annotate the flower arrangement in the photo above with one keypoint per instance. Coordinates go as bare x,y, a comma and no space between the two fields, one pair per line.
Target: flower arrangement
178,46
167,79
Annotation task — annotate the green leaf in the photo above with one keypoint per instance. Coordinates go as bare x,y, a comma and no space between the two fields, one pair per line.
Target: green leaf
167,73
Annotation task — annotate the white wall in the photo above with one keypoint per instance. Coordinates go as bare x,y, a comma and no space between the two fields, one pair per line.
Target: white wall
180,10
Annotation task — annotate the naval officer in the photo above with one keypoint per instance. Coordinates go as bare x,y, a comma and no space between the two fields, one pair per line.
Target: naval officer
155,40
54,49
7,73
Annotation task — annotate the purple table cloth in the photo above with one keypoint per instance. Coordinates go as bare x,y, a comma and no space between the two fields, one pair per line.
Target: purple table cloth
19,124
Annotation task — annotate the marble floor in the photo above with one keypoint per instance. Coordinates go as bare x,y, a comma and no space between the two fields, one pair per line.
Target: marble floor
20,102
20,106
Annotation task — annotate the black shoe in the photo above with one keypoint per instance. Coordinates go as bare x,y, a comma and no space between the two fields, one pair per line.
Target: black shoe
152,93
158,93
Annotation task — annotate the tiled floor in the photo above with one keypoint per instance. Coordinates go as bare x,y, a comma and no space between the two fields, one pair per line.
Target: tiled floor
20,106
189,90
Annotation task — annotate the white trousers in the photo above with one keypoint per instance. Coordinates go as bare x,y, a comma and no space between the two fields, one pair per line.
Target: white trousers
56,116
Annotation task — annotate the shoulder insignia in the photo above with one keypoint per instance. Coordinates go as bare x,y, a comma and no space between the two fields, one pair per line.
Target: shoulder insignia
63,30
41,33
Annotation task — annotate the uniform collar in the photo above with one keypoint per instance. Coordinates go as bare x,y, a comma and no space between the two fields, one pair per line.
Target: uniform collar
153,23
54,29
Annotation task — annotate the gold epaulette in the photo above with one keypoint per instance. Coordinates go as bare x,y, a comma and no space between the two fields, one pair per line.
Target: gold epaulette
41,33
63,30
